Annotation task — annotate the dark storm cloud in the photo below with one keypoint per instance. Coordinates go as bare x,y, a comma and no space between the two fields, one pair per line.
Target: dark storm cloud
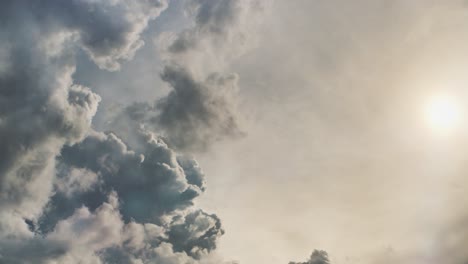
153,190
68,194
154,193
149,185
133,205
196,114
41,108
197,234
186,240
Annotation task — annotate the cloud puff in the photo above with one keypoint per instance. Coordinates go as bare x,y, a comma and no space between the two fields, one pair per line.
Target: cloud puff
75,239
317,257
200,108
197,234
149,184
108,30
197,112
194,115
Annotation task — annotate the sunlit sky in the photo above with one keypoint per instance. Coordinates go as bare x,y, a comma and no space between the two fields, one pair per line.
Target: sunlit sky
443,113
233,131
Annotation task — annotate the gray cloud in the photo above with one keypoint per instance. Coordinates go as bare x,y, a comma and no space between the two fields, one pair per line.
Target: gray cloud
108,31
129,207
317,257
152,193
197,112
197,234
212,19
200,108
194,115
41,109
140,179
69,194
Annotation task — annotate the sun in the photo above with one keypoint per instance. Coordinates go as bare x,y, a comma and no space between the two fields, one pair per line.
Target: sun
443,113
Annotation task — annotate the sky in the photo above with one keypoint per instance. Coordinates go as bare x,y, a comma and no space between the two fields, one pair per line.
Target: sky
233,131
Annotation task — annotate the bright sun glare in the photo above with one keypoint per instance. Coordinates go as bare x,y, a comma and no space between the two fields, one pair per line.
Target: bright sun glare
443,113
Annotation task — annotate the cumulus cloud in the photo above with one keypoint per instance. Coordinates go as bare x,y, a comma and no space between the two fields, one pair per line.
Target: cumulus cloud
69,194
151,194
41,109
197,112
129,208
194,115
140,179
86,233
200,108
196,234
108,31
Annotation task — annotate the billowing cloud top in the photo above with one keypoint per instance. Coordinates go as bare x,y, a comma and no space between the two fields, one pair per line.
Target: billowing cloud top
69,194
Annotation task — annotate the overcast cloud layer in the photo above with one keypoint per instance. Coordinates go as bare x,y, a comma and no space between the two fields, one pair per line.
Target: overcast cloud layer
338,153
230,131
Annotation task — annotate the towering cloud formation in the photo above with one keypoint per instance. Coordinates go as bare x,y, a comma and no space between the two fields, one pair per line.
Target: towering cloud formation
200,109
41,107
69,194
